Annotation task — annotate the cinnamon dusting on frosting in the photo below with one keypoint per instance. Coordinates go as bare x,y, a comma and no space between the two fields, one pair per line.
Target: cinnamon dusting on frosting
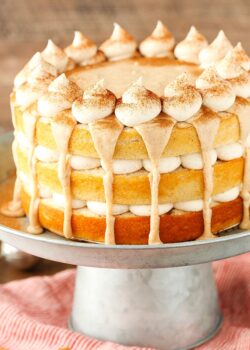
181,99
188,49
241,57
60,95
137,105
84,51
159,44
215,51
55,56
36,84
120,45
217,93
96,103
230,69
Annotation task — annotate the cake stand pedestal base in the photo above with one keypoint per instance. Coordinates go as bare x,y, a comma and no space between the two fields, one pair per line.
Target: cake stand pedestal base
168,308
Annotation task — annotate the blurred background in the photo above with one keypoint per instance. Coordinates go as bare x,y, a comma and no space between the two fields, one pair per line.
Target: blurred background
26,25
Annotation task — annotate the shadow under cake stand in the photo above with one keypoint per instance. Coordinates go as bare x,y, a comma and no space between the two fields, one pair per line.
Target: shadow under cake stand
161,296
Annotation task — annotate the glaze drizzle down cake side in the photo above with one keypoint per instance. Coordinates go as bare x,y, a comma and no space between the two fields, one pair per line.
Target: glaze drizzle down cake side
133,146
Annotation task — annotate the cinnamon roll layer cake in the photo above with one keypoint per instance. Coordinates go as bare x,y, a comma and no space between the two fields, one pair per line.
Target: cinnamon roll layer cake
133,144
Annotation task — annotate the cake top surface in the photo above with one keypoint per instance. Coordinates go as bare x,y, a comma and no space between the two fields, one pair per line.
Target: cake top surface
119,75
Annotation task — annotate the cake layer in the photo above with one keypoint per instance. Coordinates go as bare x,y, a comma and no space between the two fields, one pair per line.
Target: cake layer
174,227
180,185
184,139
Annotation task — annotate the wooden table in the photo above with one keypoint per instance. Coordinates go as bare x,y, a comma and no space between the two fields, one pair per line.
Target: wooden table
25,26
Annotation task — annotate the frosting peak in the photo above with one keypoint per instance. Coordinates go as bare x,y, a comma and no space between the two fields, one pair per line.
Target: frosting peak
181,99
215,51
218,94
188,49
36,61
120,45
230,69
38,76
159,44
55,56
96,103
241,57
60,96
83,50
137,105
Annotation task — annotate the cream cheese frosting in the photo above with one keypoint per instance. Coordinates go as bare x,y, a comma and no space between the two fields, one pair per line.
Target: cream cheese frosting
84,163
181,99
59,200
145,210
159,44
228,195
56,56
99,208
195,160
137,105
228,68
96,103
166,165
241,57
45,154
125,166
217,93
84,51
188,49
215,51
195,205
230,151
35,61
60,96
36,85
120,45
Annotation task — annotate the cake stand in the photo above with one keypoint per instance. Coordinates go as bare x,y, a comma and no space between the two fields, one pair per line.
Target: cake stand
161,296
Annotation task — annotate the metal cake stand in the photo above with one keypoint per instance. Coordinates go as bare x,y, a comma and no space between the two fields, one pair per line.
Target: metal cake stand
161,296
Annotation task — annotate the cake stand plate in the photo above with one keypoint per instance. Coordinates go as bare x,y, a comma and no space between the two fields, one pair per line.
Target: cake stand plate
160,296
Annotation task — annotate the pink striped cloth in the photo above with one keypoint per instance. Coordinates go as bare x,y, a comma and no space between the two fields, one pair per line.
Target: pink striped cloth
34,312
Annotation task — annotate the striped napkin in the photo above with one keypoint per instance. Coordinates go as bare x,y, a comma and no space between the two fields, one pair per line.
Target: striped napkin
34,312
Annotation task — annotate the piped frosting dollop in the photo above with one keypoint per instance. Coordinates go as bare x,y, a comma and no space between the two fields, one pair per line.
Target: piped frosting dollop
181,99
241,57
188,49
215,51
36,84
159,44
84,51
36,61
96,103
120,45
230,69
217,93
60,95
137,105
56,56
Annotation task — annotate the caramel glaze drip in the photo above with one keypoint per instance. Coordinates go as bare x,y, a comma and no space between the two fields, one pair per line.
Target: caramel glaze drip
155,135
30,119
62,127
105,133
207,124
241,108
14,208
